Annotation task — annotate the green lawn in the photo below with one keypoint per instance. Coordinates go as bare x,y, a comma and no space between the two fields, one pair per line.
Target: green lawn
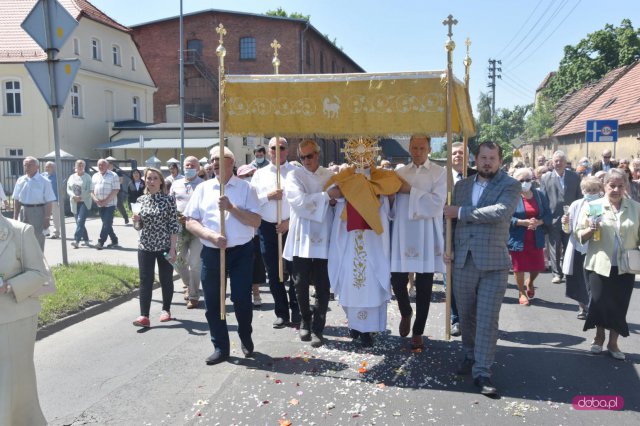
81,285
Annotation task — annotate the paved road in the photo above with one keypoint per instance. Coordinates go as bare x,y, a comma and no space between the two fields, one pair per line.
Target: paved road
105,371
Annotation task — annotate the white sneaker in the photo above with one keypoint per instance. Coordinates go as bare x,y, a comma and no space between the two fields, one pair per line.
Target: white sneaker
85,244
557,280
74,244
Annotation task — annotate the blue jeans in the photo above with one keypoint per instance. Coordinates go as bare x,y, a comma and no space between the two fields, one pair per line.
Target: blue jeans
106,215
239,266
81,218
282,299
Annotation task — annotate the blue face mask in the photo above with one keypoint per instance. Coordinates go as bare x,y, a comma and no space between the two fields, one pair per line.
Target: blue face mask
259,160
190,173
591,197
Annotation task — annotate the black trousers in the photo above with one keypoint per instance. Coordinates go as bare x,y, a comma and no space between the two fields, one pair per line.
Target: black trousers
147,263
424,287
282,298
305,272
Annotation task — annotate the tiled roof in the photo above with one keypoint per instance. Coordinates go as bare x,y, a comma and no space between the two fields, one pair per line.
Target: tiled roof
17,46
620,100
572,103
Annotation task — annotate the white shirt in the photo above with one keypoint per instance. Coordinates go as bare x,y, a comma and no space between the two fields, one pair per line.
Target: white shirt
203,207
417,243
3,196
182,189
264,181
311,216
476,193
559,177
33,190
103,184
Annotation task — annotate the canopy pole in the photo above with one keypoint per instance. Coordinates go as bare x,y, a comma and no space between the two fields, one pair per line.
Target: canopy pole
276,68
450,46
465,140
221,52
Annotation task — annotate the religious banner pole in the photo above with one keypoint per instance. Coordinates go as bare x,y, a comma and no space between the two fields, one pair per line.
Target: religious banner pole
276,68
465,140
221,52
450,46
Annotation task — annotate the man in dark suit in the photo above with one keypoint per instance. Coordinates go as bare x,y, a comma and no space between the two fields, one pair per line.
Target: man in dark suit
562,186
605,164
483,205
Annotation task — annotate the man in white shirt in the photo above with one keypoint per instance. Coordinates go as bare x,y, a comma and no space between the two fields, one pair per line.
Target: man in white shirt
105,186
240,207
417,243
307,246
264,182
33,199
188,246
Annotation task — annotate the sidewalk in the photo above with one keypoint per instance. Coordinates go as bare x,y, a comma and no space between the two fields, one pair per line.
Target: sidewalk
105,371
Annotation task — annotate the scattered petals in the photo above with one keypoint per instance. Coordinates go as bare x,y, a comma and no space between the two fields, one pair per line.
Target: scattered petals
381,385
362,370
285,422
278,381
330,406
294,402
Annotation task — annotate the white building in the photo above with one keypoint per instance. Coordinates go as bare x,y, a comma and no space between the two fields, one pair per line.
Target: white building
113,83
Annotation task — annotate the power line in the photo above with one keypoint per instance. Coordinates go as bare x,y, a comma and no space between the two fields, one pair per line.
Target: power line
549,36
517,89
521,86
555,13
522,27
530,30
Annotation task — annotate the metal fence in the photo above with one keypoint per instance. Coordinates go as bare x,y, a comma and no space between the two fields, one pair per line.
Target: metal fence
11,169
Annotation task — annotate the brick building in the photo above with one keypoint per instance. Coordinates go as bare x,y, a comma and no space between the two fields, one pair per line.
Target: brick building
304,51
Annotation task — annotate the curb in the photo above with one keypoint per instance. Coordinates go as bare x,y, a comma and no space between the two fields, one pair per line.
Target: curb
91,311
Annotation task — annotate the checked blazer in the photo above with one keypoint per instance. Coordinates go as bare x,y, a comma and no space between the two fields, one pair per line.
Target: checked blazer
483,230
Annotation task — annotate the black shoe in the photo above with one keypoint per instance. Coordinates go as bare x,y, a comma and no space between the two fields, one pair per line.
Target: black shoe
305,332
279,323
354,334
366,339
216,358
113,244
465,367
485,385
296,319
332,297
405,326
455,330
316,340
99,246
247,348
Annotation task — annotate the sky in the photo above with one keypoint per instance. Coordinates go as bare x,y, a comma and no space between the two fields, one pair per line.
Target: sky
528,36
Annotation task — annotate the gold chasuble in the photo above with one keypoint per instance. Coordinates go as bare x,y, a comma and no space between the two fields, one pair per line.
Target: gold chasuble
362,193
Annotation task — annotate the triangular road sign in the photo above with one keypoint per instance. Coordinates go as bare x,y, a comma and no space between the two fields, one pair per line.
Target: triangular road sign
64,73
62,25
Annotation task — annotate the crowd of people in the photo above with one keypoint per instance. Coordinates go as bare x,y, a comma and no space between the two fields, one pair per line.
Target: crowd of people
360,232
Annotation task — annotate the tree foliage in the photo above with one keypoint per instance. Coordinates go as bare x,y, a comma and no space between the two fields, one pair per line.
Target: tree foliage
594,56
540,122
283,14
508,124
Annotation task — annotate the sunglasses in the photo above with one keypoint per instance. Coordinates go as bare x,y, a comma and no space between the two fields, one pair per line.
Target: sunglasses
525,180
282,148
307,157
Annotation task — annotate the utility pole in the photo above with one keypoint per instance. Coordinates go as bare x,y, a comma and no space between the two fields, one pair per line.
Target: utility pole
492,84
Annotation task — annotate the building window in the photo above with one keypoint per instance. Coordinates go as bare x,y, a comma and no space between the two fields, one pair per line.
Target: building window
76,104
12,98
194,45
321,62
15,166
136,108
133,63
96,50
115,53
76,47
247,48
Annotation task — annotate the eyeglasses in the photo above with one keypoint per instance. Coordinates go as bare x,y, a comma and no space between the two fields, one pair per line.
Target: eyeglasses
606,156
307,157
282,148
525,180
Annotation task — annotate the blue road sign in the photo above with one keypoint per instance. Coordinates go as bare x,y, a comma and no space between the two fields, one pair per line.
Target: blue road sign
602,131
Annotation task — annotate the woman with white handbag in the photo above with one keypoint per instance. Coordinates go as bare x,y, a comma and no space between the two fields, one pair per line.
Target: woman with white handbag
611,225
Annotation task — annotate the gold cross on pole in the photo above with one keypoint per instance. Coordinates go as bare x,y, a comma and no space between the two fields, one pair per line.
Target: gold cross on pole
220,30
275,46
450,22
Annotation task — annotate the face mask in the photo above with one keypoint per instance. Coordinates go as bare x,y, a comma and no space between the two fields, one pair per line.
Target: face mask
591,197
259,160
190,173
526,186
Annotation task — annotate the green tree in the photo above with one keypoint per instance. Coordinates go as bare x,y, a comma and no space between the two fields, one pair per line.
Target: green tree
594,56
283,14
540,122
507,125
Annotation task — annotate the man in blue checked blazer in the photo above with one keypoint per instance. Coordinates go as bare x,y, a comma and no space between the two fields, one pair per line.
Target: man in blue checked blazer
483,205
